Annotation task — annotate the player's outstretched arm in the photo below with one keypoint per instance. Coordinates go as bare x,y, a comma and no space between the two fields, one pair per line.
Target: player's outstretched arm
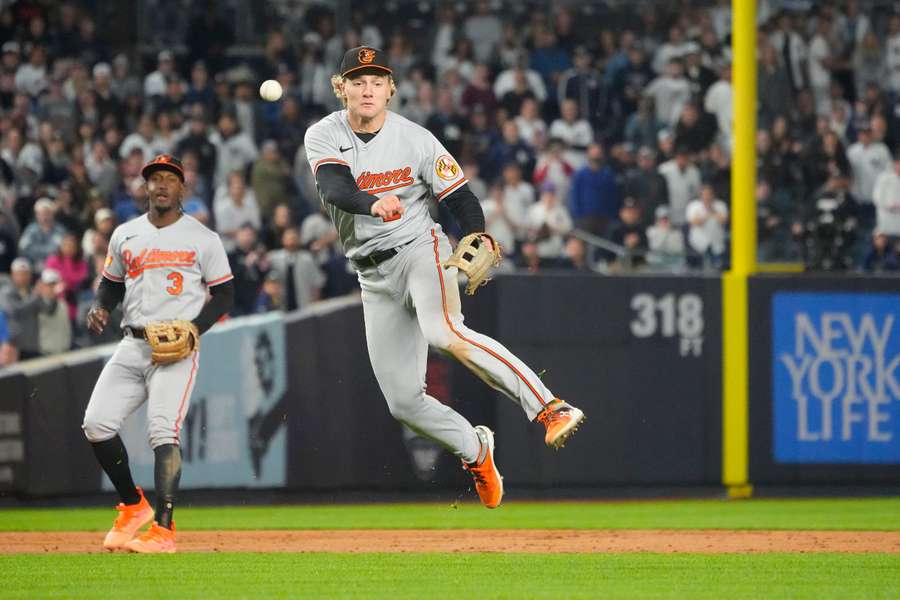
109,294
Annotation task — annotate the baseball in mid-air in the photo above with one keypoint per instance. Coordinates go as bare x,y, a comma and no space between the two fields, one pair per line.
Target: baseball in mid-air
270,90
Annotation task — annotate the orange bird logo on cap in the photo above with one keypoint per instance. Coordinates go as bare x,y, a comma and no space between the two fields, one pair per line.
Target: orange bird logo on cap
366,55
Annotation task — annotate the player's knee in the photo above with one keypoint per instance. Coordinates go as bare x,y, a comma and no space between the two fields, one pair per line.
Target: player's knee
439,338
406,409
95,430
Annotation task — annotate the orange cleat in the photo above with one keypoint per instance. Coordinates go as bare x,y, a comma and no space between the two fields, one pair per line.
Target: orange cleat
131,518
561,420
154,541
488,482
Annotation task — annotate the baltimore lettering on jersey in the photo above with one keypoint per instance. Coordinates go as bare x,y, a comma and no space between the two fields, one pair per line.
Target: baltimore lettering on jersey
154,258
382,182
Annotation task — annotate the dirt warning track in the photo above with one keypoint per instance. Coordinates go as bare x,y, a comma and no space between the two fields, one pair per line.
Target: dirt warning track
481,540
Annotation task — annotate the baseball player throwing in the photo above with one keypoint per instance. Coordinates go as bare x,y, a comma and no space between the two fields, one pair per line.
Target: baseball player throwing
160,266
375,170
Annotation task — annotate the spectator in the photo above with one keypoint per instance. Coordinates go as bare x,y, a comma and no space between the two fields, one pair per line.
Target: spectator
8,352
500,221
509,149
235,150
707,217
300,277
886,198
669,92
675,48
271,180
555,167
197,209
518,197
271,296
883,255
479,91
155,82
548,223
8,242
594,196
774,214
235,207
141,141
249,265
196,141
719,102
582,84
790,45
31,77
532,129
54,325
629,232
868,159
644,183
820,63
575,132
576,255
520,81
122,83
72,269
665,240
642,127
869,65
776,83
43,236
892,54
682,183
695,130
484,30
21,305
446,123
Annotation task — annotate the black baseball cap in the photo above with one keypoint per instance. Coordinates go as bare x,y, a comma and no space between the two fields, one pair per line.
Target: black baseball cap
166,162
364,57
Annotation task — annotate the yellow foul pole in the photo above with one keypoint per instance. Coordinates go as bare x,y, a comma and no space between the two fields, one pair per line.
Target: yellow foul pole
735,326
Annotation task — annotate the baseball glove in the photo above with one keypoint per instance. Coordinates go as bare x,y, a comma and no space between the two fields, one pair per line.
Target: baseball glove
171,341
473,257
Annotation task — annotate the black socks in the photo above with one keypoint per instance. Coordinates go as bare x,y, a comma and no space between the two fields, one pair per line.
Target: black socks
113,458
166,475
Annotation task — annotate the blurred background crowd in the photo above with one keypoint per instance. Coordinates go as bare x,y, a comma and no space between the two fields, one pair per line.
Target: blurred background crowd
597,135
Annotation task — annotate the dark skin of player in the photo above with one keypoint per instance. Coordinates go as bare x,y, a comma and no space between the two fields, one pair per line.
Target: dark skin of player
165,190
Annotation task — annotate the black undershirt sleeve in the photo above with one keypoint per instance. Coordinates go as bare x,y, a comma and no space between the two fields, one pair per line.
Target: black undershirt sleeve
337,186
465,207
221,302
109,294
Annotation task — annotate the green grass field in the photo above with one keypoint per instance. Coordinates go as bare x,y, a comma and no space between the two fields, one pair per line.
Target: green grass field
477,576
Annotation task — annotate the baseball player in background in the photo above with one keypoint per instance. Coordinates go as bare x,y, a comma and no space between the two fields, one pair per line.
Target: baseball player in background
160,266
375,171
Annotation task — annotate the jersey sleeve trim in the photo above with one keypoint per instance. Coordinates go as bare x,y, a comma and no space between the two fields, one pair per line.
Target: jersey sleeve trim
112,277
220,280
451,188
329,161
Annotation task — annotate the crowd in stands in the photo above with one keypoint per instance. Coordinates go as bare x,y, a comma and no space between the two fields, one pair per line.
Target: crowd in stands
596,138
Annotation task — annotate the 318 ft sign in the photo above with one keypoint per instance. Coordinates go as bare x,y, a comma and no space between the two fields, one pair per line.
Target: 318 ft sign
670,316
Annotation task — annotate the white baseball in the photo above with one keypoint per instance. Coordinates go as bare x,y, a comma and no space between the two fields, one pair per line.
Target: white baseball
270,90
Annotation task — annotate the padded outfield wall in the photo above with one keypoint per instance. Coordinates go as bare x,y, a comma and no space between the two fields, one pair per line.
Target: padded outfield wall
291,402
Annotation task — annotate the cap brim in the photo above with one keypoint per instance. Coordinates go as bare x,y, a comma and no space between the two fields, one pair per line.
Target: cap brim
148,170
361,67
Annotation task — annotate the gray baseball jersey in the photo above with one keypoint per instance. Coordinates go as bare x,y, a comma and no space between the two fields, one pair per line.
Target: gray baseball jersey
403,159
166,272
411,301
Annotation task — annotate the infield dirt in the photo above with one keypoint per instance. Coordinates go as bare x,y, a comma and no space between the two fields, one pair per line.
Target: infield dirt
481,540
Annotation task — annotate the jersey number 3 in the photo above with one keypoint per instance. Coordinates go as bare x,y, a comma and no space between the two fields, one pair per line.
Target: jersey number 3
177,280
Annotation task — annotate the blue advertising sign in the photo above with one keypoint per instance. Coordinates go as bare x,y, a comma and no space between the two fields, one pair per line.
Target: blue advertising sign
836,378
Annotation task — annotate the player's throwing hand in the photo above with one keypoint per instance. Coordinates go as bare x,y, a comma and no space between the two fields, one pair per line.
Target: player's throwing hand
97,319
388,208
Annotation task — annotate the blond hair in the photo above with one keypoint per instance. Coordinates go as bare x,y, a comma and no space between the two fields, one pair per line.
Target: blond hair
337,85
